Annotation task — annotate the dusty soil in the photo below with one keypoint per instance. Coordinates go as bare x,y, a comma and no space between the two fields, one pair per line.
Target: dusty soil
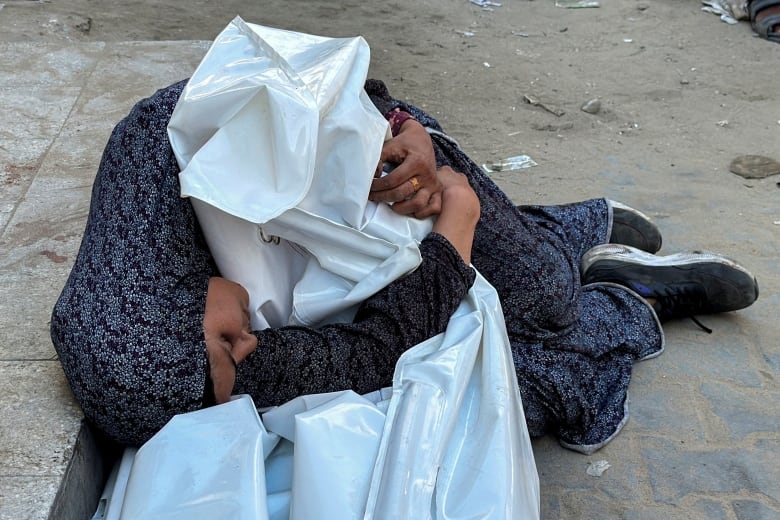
679,89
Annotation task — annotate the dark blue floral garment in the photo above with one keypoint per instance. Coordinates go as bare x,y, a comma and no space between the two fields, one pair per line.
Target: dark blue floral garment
128,324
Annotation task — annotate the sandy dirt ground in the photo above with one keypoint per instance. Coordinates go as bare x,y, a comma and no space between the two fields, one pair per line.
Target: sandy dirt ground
678,88
681,95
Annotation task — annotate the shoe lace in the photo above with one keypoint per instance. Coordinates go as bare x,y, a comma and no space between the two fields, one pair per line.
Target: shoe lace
701,325
681,302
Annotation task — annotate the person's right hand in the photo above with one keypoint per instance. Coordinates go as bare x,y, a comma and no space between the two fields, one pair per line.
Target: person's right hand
413,187
227,332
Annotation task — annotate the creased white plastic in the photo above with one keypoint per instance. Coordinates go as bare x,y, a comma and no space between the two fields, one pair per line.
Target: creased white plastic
245,129
347,265
455,444
339,434
274,129
451,443
204,464
339,439
490,431
266,270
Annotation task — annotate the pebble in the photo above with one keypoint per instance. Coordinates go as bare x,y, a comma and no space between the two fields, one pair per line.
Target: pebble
754,166
591,107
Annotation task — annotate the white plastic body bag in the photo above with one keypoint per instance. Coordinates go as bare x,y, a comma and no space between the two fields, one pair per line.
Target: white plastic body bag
447,441
277,144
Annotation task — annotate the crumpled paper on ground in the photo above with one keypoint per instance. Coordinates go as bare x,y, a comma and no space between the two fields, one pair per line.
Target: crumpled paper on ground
730,11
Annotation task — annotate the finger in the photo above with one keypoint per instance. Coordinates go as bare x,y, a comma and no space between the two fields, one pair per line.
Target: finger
243,345
395,179
395,195
412,205
388,157
222,371
392,151
432,208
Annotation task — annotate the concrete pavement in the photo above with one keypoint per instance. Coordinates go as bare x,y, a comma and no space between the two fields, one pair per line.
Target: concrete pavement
58,104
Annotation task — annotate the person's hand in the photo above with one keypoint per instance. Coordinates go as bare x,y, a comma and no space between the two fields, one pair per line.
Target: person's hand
413,187
226,330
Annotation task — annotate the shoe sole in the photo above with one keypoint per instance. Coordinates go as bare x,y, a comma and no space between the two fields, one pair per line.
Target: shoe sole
729,286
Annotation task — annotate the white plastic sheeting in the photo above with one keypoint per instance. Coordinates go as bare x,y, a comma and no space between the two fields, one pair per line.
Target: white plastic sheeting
277,142
448,441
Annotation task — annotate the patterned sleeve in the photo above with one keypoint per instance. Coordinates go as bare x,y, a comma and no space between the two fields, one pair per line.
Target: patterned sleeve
361,355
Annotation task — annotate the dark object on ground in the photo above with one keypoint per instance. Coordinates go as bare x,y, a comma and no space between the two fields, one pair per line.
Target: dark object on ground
754,166
766,27
683,285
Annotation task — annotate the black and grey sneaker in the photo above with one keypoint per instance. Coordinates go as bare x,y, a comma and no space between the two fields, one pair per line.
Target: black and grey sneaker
683,285
633,228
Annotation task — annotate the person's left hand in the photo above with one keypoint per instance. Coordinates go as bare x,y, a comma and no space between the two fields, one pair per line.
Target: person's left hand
413,187
226,329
